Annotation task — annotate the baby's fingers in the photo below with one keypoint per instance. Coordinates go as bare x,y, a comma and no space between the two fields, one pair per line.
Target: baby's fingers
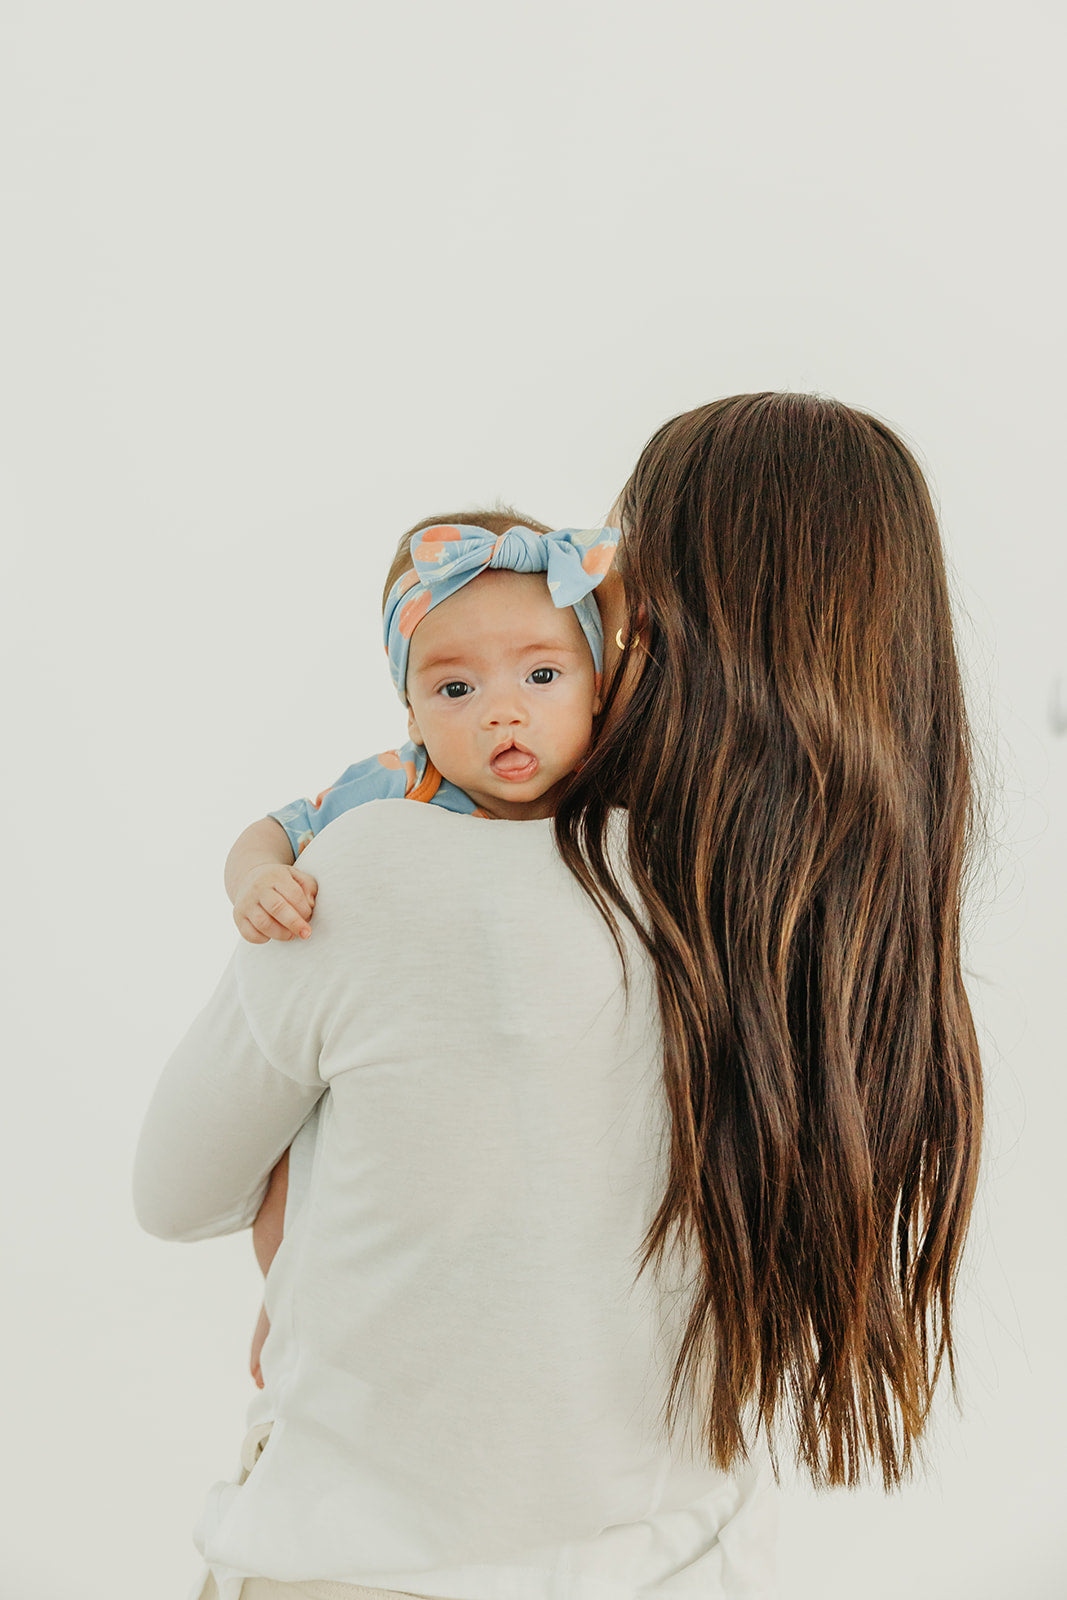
309,884
283,912
296,895
257,926
247,929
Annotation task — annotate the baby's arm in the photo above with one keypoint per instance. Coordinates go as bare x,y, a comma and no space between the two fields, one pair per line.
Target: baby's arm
267,1233
271,898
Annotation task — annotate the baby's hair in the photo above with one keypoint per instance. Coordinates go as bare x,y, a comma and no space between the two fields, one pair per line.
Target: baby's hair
497,521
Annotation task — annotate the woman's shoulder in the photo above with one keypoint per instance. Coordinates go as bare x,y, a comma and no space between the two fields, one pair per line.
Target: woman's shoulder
391,849
390,831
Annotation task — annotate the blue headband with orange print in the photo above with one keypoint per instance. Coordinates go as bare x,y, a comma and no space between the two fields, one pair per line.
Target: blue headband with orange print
445,558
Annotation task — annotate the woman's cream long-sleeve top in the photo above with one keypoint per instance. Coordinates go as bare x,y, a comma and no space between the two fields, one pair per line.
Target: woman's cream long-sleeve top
464,1380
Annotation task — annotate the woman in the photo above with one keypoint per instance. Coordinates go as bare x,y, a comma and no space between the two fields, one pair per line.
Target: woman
478,1391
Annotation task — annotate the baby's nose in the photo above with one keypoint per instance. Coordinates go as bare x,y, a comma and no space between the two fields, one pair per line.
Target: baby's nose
504,709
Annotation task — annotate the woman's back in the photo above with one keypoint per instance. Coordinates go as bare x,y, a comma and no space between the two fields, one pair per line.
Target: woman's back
466,1383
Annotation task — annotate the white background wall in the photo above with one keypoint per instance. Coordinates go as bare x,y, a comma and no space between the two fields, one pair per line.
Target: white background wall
276,281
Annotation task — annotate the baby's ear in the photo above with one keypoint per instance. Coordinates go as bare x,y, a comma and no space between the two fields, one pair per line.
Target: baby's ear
413,729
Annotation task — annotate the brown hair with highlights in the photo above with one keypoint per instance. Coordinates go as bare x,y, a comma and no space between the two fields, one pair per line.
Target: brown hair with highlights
796,760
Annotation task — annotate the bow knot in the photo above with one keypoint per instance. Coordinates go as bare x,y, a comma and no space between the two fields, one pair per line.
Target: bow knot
446,557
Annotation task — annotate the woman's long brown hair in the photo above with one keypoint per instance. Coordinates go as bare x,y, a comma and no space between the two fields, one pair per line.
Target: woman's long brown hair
795,760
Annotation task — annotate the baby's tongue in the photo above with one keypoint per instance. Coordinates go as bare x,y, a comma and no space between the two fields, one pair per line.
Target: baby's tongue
511,760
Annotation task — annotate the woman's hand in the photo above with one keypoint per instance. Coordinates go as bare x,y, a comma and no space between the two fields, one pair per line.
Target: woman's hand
274,901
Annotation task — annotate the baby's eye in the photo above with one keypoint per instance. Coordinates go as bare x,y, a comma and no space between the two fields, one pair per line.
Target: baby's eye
544,674
455,690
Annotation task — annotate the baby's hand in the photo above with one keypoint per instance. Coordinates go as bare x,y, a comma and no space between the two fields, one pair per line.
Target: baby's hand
274,902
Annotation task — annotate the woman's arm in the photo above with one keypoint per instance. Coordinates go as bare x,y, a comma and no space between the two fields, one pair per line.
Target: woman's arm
216,1126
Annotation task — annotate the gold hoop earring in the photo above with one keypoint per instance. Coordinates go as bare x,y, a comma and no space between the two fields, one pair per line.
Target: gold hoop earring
619,639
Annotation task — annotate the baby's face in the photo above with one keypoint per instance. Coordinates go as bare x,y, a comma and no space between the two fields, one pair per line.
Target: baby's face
502,692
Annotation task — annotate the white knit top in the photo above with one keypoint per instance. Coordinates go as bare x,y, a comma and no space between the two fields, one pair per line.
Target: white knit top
464,1382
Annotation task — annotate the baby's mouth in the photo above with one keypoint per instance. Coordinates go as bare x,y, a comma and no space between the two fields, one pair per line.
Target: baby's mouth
514,763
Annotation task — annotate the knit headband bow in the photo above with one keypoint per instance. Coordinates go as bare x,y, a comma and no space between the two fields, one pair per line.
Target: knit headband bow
445,558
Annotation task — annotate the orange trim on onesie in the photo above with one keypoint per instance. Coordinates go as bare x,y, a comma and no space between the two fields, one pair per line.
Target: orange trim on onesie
427,785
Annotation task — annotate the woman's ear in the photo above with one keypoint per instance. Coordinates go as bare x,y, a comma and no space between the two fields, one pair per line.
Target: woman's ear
636,629
413,729
640,635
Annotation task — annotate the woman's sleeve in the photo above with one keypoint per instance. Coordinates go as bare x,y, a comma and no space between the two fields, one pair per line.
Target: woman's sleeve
220,1118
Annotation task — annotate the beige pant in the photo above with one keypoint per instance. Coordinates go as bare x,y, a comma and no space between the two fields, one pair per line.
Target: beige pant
267,1589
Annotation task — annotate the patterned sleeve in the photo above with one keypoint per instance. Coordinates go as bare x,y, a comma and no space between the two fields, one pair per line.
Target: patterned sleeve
388,776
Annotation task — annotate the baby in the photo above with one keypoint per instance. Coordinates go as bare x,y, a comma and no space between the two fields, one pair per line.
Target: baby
499,671
445,763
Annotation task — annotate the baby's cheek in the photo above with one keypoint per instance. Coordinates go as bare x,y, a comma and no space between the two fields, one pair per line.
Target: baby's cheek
581,734
448,743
